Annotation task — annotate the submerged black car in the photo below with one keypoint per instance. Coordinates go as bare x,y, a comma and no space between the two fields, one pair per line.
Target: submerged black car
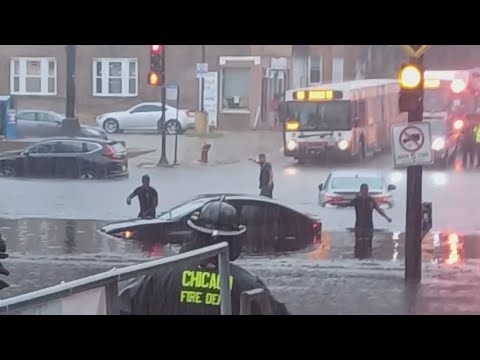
84,158
271,226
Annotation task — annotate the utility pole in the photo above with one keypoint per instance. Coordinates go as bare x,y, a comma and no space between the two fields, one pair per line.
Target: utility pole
202,80
163,158
70,125
413,232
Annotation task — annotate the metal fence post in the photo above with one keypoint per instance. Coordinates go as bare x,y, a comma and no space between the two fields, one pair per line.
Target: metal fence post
112,298
224,273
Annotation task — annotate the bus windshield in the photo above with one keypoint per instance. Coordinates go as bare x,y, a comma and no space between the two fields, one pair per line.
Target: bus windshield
320,116
435,100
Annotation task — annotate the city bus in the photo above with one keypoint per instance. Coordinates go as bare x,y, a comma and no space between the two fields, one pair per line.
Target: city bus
349,120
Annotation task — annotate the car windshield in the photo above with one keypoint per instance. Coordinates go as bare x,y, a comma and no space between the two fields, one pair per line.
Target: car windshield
353,183
182,210
323,116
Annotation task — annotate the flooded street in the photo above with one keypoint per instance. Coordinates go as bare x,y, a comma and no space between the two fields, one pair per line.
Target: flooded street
322,280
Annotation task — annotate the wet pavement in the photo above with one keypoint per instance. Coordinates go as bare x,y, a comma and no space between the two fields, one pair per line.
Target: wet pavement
321,280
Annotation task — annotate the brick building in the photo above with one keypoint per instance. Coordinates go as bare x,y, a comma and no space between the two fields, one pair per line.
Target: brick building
241,82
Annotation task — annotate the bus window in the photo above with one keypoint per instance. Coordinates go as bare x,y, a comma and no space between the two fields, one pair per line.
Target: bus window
321,116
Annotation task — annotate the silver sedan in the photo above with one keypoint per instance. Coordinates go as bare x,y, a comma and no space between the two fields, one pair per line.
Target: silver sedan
342,186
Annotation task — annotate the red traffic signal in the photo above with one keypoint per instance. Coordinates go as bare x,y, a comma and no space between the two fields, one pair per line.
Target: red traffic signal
156,49
153,78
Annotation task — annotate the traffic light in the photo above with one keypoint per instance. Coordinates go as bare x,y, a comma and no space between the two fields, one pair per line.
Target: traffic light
157,67
410,78
153,78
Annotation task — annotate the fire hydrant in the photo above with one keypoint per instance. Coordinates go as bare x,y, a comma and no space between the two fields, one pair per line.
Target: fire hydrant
204,153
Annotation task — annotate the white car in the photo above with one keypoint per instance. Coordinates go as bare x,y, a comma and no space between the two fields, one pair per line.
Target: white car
147,116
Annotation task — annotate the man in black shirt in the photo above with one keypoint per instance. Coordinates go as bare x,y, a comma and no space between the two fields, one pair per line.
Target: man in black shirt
147,197
266,176
364,205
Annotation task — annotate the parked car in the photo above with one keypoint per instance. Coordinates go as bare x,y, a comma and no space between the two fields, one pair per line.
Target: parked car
84,158
147,116
342,186
41,124
271,226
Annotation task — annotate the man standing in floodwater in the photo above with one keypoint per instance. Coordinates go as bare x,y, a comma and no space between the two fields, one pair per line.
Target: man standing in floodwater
364,205
147,197
266,176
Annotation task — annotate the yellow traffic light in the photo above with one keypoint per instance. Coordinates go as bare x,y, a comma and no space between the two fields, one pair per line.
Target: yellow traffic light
153,78
410,77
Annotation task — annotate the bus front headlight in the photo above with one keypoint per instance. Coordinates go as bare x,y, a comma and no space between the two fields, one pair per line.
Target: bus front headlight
292,145
343,145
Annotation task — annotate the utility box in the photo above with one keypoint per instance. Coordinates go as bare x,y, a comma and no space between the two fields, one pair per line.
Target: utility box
8,118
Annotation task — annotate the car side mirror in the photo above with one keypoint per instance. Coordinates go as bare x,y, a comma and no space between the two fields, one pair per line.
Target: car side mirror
320,187
26,153
391,187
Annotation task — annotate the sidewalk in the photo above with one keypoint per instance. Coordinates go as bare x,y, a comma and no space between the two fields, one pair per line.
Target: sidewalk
226,147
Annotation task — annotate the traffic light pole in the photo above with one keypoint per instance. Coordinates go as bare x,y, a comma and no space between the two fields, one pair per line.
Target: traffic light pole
70,125
413,240
163,158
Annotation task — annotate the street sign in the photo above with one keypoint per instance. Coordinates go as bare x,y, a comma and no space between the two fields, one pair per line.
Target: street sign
412,144
202,70
172,92
415,51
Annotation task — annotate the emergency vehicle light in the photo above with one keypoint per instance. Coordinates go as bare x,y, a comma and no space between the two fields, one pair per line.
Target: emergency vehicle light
431,84
292,125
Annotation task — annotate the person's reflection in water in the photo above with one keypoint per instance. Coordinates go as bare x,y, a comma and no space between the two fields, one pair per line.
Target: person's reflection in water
70,236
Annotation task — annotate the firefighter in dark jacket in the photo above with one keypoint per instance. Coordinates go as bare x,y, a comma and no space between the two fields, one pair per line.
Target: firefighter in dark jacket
195,289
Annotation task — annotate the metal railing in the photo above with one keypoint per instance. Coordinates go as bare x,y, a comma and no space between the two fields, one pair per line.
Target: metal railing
47,300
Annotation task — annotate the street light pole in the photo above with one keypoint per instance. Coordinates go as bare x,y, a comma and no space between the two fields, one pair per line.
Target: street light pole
202,80
70,125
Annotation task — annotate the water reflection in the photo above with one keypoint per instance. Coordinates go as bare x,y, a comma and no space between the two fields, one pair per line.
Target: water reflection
449,248
290,171
61,237
439,179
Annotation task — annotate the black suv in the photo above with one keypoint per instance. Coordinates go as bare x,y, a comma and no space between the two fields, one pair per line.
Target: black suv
84,158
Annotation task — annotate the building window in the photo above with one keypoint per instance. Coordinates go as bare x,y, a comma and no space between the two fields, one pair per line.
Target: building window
235,88
115,77
33,76
314,69
337,70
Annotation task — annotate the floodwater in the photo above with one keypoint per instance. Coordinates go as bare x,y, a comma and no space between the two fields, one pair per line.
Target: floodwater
54,237
46,252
